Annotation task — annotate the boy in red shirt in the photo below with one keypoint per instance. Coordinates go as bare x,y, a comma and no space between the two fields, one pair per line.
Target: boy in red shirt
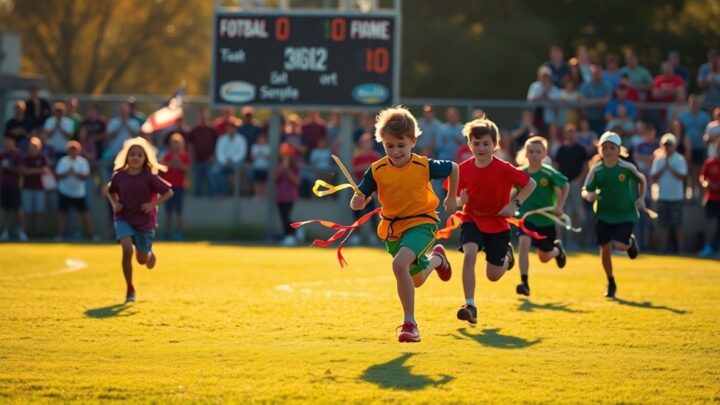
484,187
178,164
710,181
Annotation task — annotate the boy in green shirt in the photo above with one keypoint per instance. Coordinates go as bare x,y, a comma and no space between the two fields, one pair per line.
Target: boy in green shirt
551,191
618,190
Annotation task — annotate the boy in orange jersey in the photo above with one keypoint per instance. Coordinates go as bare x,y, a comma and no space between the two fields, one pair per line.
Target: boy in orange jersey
408,219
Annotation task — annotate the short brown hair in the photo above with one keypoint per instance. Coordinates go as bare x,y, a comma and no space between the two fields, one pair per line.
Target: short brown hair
396,121
480,127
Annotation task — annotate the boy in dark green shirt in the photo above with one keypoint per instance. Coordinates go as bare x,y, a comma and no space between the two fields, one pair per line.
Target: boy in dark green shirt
618,190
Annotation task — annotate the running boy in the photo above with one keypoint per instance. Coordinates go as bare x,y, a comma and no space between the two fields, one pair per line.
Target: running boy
485,185
551,191
618,189
408,218
133,193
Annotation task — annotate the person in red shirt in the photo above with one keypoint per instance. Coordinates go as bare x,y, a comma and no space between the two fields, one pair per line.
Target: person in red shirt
178,163
484,189
710,181
666,85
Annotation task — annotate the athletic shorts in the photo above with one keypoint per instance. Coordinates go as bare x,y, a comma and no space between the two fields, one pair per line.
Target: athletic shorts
418,239
65,203
619,232
547,244
495,245
670,213
175,203
142,240
10,199
33,201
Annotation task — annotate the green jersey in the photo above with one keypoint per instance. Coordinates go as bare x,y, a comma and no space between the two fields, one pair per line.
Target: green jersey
544,195
618,190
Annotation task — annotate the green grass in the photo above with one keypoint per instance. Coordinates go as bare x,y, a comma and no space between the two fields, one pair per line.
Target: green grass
220,323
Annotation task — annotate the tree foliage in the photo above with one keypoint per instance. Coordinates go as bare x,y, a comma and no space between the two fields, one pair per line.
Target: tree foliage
452,49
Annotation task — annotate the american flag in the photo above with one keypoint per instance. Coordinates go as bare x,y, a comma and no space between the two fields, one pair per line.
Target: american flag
167,115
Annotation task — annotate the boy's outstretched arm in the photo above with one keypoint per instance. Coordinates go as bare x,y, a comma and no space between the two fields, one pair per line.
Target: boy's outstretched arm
509,209
451,202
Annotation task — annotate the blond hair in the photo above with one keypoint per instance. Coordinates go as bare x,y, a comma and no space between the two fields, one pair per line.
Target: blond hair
151,162
521,157
480,127
398,122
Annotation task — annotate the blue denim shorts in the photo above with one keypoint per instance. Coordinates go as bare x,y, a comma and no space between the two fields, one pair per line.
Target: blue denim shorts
141,239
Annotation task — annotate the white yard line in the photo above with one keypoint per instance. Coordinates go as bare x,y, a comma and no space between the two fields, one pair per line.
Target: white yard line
71,266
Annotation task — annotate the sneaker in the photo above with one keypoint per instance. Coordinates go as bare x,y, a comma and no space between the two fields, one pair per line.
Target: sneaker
523,289
511,258
444,271
611,290
705,253
22,236
5,235
409,333
151,261
633,250
467,313
130,295
561,258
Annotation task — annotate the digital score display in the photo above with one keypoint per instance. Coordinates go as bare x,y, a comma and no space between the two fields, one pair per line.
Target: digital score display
321,61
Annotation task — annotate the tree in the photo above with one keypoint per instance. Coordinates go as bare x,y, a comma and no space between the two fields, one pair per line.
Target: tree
90,46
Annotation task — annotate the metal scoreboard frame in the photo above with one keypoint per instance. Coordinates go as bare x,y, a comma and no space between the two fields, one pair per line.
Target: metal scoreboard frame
366,94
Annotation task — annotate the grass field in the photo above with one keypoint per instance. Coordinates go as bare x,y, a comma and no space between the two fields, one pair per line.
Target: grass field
216,323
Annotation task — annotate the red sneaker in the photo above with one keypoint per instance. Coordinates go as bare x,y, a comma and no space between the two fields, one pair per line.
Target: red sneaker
444,271
409,333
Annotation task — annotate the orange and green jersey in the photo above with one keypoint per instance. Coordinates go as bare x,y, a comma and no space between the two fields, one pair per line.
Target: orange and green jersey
405,193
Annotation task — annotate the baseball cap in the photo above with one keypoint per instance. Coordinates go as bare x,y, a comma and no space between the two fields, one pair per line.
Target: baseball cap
668,138
610,137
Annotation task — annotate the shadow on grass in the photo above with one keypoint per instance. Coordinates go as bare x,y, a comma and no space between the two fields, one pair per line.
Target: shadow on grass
649,305
529,306
491,338
396,375
109,311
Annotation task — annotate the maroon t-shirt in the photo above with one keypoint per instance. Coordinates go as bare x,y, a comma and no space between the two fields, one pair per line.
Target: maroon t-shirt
134,191
312,132
203,140
34,181
10,163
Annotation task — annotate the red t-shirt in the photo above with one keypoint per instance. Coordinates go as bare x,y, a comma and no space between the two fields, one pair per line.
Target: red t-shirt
489,190
175,177
365,161
34,181
663,82
711,171
134,191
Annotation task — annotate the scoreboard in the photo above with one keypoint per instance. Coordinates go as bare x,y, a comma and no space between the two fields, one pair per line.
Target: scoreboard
295,60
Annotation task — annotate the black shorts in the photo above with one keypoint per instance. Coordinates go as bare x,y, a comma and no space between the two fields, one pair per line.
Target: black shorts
547,244
175,203
712,209
260,175
619,232
697,156
494,244
65,203
10,199
670,213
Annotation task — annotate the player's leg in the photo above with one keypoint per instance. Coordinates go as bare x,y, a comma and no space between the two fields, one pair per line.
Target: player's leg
524,243
498,255
406,292
127,252
419,239
143,244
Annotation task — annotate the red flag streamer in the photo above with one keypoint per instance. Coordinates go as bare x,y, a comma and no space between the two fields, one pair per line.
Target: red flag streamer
343,230
455,220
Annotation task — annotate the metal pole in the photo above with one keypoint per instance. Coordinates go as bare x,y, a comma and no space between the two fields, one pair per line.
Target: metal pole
274,142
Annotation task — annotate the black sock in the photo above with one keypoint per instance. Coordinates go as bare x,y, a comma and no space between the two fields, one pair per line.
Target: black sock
611,280
524,277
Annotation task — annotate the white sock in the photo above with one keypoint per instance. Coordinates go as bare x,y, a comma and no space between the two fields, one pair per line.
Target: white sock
470,301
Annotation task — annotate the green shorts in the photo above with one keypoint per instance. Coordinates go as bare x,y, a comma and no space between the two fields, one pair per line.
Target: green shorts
418,239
